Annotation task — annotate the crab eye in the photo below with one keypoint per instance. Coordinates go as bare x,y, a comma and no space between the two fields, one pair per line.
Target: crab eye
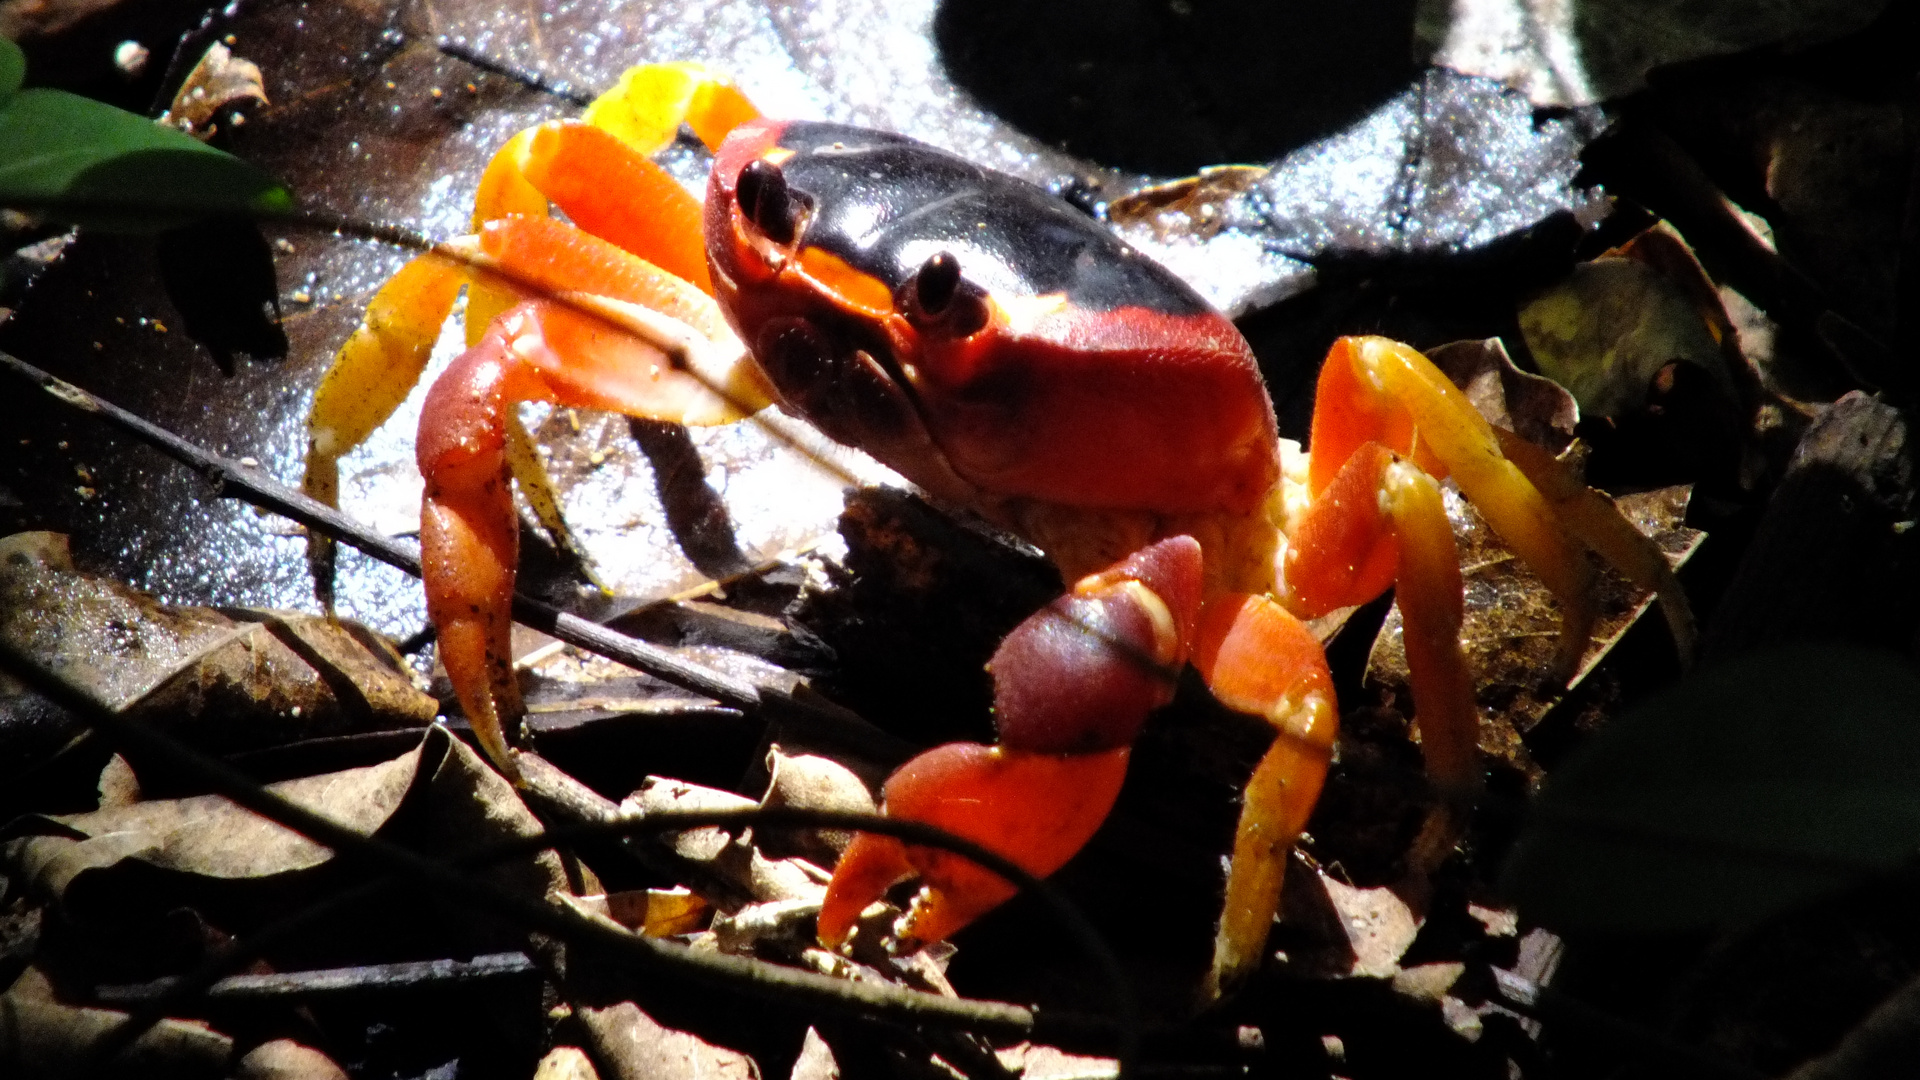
936,283
938,296
766,201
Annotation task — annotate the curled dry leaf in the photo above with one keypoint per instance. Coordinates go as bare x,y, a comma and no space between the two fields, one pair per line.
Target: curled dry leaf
207,835
41,1036
653,912
1539,410
1609,329
218,81
227,680
731,869
812,782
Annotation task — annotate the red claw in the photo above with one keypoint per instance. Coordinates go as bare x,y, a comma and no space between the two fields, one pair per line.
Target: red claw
1072,686
1036,809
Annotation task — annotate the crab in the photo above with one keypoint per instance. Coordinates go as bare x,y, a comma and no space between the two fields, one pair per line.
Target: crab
1007,354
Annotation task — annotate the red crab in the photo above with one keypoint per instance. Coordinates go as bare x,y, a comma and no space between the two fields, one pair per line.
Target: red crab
1005,353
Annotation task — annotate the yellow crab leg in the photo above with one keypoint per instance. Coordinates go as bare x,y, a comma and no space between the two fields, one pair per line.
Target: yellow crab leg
1258,659
647,106
369,378
1376,389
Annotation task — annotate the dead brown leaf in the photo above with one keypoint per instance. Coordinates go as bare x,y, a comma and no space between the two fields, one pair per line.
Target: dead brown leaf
41,1036
220,80
630,1045
227,679
208,835
284,1059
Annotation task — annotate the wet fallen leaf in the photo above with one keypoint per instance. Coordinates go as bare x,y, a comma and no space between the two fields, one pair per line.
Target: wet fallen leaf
225,680
388,128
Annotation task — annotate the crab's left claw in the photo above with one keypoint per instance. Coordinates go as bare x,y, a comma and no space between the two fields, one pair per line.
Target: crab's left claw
1037,809
1072,686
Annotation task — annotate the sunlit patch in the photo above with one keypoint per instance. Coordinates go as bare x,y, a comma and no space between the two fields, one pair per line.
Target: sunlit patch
1025,314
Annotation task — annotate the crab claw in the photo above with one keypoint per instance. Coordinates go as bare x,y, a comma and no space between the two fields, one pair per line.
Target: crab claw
1037,809
1072,685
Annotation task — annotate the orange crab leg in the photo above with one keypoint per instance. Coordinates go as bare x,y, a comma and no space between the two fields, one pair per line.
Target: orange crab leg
605,186
1257,658
539,351
599,174
642,343
1374,389
1379,521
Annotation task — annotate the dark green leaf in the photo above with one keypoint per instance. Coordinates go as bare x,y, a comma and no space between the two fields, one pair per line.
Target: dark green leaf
13,70
1746,790
89,162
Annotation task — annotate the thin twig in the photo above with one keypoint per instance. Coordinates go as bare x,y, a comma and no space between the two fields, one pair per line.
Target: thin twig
283,985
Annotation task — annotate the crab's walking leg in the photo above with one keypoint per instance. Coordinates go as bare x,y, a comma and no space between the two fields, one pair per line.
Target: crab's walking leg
369,378
1257,658
1376,390
598,172
1381,521
643,343
1072,685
